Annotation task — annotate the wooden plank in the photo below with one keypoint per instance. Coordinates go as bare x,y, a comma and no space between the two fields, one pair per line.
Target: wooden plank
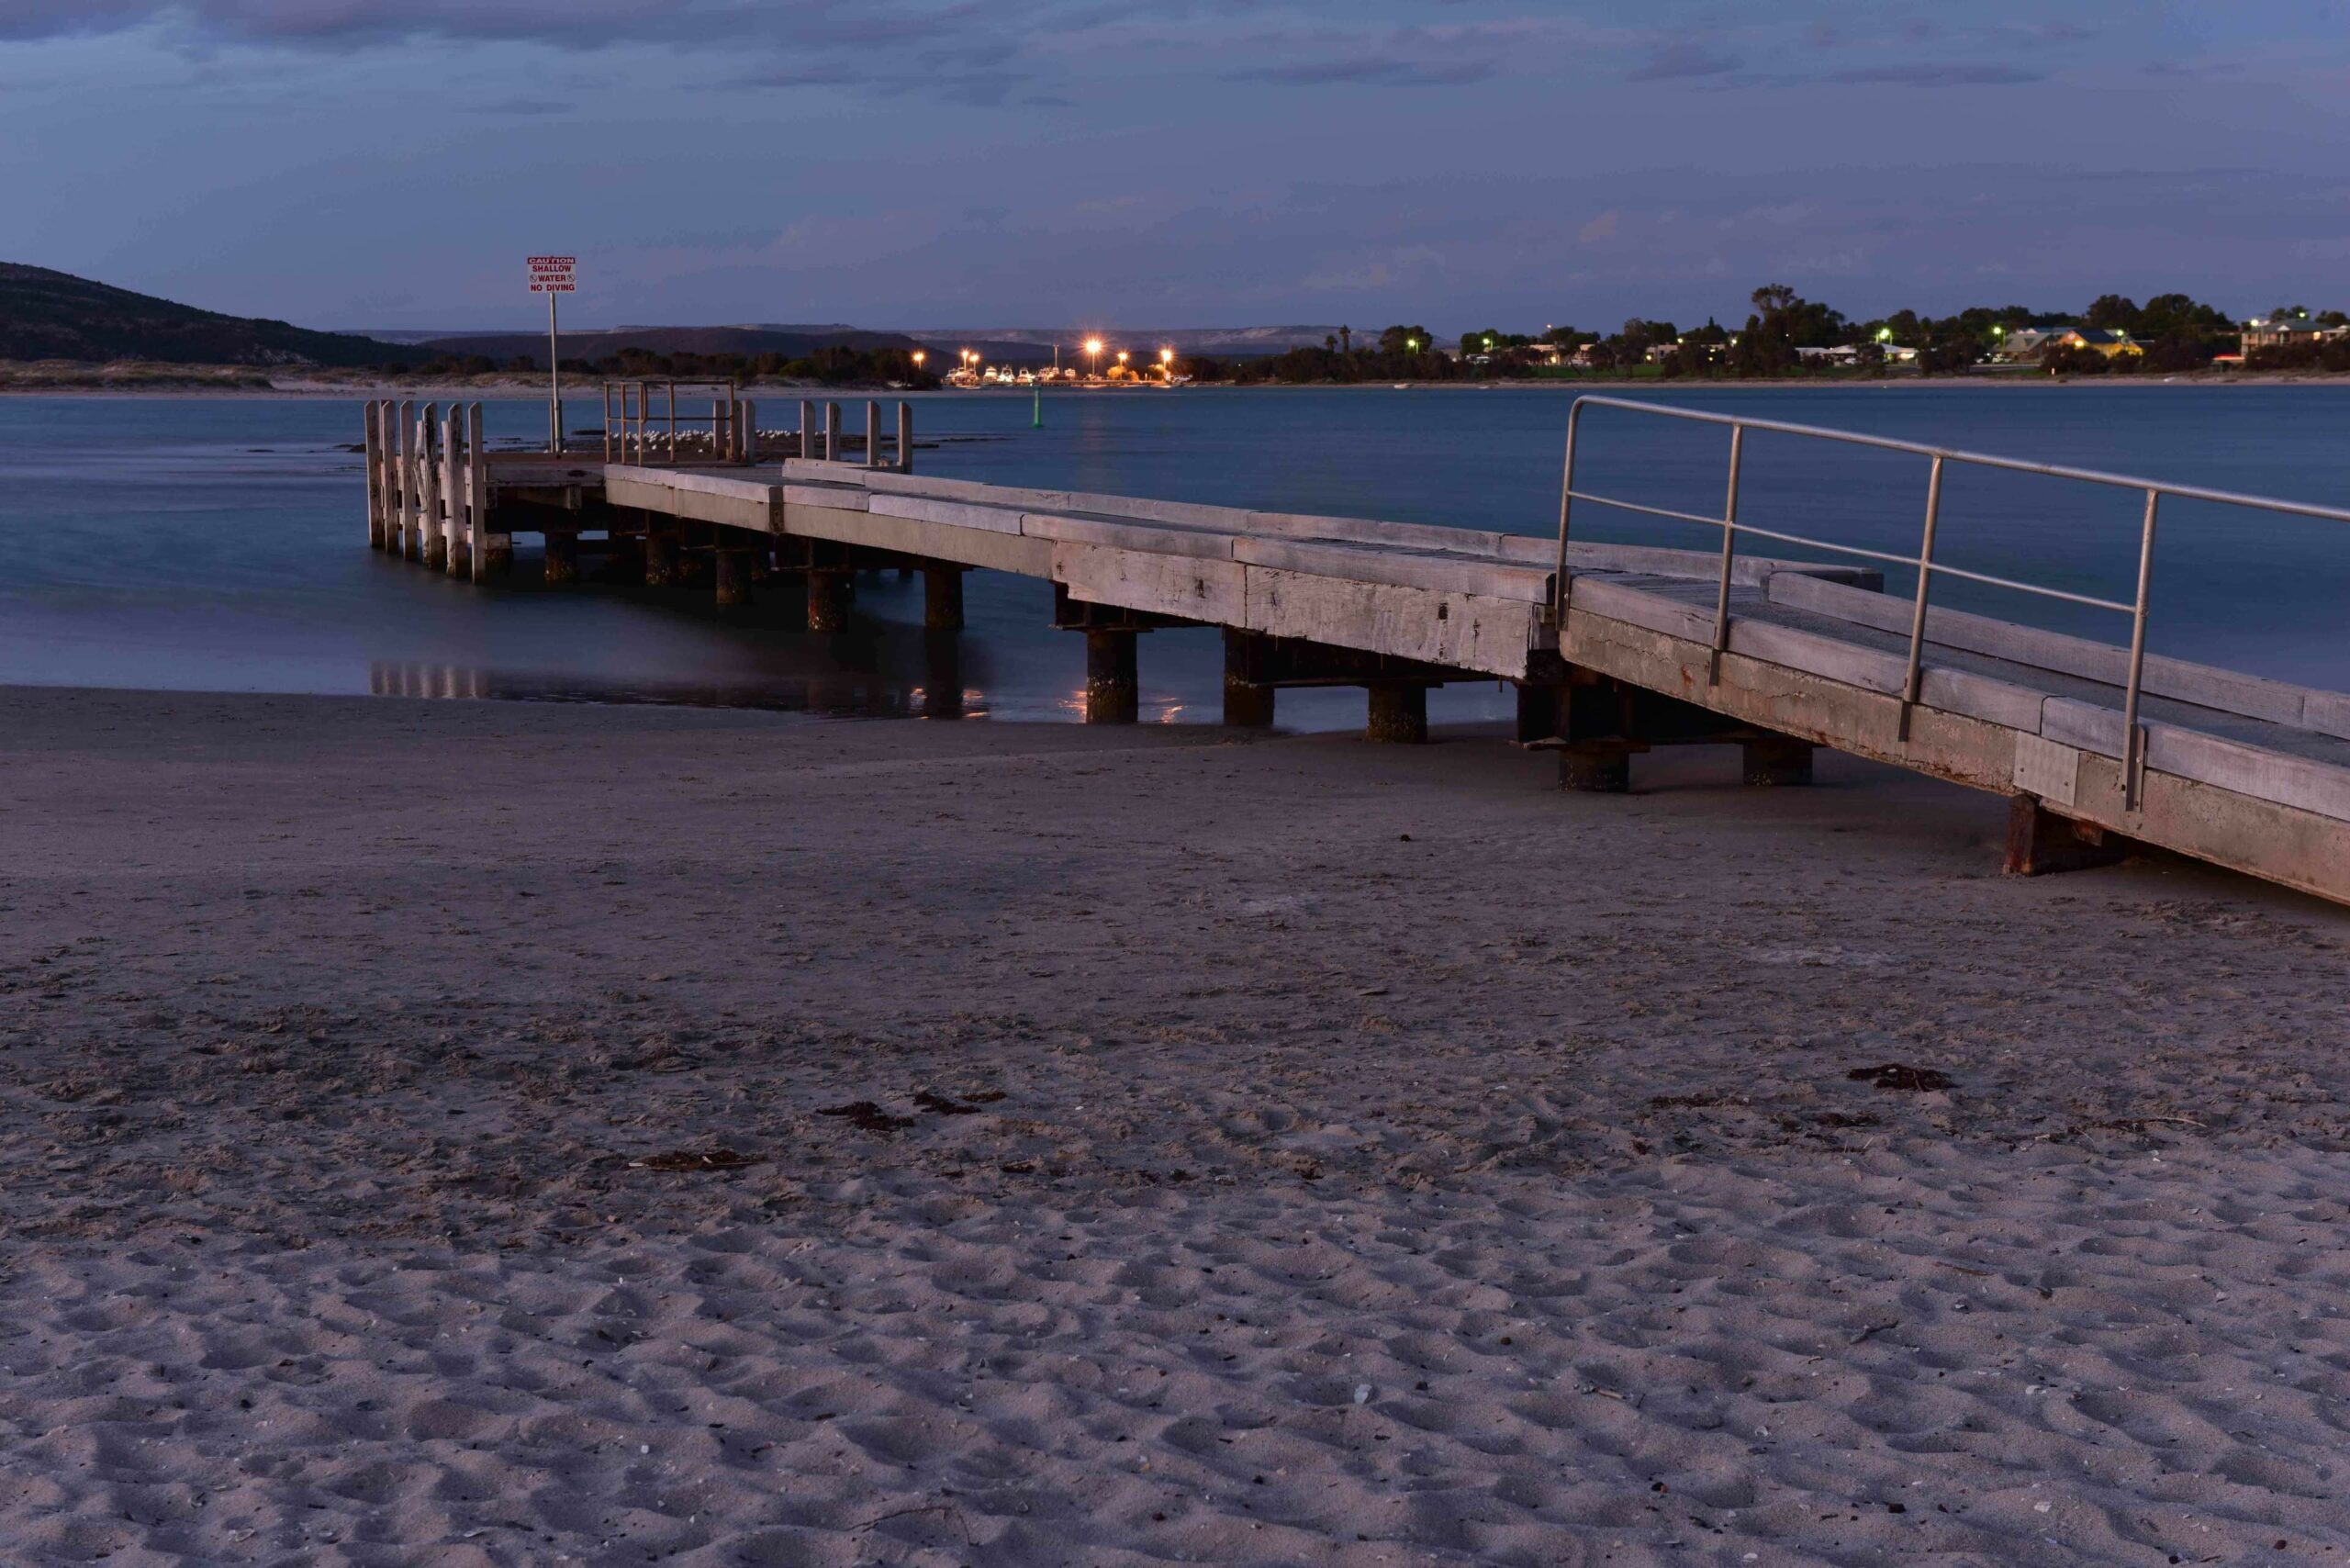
1460,631
1156,538
911,536
2227,691
1373,531
2296,782
1197,589
1654,611
1831,657
730,503
1487,580
953,514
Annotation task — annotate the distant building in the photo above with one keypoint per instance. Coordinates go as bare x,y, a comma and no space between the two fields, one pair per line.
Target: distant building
2103,340
2279,331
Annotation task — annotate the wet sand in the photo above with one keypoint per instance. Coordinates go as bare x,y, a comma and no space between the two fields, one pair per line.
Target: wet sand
478,1133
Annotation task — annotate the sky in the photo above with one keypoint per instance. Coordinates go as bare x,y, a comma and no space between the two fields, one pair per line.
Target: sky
1456,164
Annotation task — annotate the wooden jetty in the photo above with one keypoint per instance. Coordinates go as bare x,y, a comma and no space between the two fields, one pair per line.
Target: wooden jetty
1614,649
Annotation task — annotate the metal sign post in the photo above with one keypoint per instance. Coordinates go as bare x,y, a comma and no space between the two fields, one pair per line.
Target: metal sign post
552,276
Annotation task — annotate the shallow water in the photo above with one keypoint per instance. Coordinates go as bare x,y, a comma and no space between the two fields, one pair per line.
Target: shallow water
217,543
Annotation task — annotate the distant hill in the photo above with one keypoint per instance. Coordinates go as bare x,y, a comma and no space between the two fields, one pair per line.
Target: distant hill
54,315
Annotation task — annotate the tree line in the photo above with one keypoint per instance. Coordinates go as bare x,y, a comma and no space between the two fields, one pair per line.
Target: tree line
2175,332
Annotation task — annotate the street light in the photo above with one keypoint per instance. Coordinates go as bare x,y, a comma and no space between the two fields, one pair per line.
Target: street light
1093,353
1167,364
920,356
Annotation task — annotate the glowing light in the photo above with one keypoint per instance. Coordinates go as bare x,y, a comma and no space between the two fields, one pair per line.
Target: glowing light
919,356
1092,345
1166,356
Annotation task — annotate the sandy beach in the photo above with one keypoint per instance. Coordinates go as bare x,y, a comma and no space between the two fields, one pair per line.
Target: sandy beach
467,1133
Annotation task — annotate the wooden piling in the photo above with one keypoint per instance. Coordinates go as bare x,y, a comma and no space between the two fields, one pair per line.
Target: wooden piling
905,437
942,597
832,432
1776,760
2040,842
1248,702
562,557
371,423
750,430
660,553
433,548
1399,714
872,433
734,573
493,553
453,494
408,544
807,428
831,593
458,461
1113,690
1596,767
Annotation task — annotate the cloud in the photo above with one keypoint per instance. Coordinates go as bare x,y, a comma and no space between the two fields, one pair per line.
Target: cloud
1929,75
1373,71
1683,57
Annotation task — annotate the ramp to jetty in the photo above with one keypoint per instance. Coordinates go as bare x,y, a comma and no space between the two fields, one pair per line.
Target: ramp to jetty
1614,648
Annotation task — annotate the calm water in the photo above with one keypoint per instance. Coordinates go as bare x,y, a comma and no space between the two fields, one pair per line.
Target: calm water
219,543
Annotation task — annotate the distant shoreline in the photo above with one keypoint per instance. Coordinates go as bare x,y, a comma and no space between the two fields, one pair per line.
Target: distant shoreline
199,383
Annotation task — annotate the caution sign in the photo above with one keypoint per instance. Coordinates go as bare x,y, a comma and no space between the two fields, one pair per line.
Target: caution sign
553,275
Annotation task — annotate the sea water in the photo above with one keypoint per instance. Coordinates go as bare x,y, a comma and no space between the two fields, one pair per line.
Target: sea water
217,543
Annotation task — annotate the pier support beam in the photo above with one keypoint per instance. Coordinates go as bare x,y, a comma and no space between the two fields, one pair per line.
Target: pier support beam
1399,714
498,556
942,597
1113,691
831,594
1776,759
563,558
2040,842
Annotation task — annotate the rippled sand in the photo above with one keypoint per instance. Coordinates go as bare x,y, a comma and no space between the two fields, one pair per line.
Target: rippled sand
450,1133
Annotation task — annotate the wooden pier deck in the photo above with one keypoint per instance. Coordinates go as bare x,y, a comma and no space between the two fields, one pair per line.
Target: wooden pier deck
1630,649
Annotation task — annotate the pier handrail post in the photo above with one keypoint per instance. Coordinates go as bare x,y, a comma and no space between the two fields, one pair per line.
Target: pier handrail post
873,432
2133,747
608,422
750,430
1566,505
905,437
832,432
1915,675
807,429
670,388
1730,553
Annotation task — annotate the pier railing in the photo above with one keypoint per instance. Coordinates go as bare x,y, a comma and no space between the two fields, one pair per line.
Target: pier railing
1923,563
631,415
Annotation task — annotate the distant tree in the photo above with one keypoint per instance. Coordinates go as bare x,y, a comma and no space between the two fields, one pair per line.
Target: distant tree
2332,318
1566,336
1331,342
2064,359
2288,312
2114,313
1953,349
1406,340
1345,339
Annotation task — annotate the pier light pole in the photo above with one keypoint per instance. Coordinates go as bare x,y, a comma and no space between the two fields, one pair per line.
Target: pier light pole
1093,359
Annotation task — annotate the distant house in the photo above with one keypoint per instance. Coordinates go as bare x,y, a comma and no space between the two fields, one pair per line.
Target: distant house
2104,340
2030,343
2279,331
1842,353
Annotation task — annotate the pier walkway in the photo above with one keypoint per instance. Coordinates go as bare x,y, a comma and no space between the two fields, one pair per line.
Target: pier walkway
1614,648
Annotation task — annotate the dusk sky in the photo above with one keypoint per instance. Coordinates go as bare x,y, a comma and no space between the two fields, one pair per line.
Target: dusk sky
1174,163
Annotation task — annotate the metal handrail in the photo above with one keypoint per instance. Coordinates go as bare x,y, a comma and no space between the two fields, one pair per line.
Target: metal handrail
2134,741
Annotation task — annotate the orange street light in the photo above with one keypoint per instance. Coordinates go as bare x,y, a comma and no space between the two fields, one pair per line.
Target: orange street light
920,356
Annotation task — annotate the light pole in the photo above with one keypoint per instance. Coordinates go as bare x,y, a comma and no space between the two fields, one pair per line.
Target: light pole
1094,358
1167,364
